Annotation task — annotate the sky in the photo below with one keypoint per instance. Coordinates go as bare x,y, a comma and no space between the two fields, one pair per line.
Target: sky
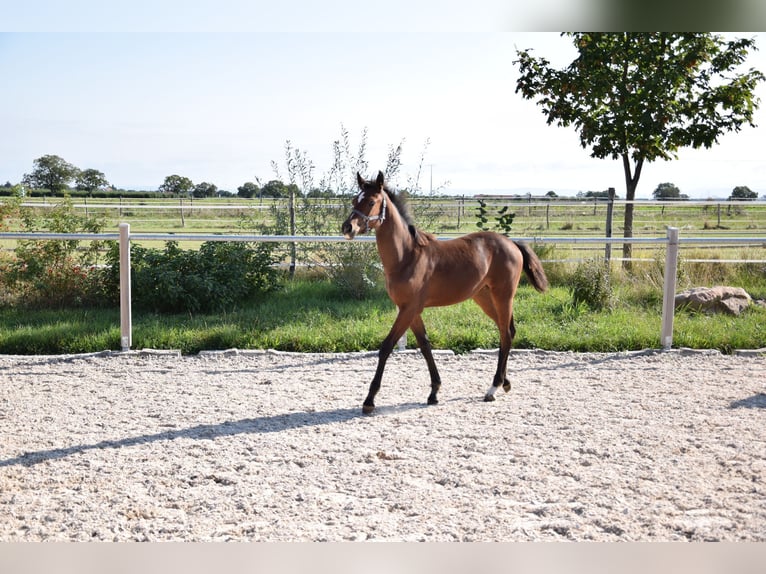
219,107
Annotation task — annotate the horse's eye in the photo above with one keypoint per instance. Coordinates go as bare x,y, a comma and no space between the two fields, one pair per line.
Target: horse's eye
372,202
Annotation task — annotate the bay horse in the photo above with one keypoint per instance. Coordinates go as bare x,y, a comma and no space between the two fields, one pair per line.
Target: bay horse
422,271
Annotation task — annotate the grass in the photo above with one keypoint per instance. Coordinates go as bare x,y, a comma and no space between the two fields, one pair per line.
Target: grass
311,316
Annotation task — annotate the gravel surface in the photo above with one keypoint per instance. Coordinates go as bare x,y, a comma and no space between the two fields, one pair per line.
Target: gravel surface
273,447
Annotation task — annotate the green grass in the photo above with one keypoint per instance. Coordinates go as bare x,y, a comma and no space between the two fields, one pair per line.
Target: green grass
311,316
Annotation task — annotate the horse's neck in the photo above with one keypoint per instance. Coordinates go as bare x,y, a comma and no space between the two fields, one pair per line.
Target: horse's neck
395,244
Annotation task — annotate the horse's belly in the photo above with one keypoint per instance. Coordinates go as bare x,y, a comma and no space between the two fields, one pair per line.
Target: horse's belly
452,291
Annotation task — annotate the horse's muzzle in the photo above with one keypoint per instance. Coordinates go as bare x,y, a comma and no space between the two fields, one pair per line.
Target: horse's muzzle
347,229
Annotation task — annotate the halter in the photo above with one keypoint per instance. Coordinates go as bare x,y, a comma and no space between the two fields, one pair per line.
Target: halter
367,218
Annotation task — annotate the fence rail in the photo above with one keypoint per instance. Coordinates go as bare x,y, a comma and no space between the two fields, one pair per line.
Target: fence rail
672,241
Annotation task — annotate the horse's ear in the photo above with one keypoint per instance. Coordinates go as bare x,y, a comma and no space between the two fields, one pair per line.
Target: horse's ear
381,179
359,180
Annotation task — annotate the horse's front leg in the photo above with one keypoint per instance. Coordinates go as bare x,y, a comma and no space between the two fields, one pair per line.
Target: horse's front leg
419,328
402,322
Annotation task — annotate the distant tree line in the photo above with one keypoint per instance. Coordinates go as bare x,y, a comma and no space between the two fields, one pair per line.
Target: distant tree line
52,175
668,192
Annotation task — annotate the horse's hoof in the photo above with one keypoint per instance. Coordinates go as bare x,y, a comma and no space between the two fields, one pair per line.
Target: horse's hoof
506,386
368,409
488,398
433,401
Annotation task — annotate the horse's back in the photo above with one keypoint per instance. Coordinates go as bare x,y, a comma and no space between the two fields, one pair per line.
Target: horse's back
460,267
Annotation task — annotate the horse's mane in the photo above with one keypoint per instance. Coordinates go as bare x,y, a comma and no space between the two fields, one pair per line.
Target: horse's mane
421,237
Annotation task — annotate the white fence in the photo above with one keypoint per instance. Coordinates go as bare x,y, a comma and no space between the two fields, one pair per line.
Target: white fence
672,241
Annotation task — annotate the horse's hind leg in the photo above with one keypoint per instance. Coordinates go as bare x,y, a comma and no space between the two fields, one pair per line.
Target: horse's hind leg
506,382
419,328
499,307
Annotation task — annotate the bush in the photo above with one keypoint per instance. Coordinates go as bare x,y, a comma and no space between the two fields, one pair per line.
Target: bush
218,277
591,284
354,268
52,273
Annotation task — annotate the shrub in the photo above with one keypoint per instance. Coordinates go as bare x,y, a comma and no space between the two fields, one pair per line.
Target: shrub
591,284
354,268
219,276
53,273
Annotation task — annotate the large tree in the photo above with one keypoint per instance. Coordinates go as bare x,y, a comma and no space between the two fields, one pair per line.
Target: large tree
50,172
248,190
743,192
90,180
639,97
176,185
275,188
667,190
205,189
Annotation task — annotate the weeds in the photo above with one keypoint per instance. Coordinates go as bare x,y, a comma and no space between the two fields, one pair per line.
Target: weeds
591,285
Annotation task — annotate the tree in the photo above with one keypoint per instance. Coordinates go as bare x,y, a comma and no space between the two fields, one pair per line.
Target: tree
176,185
248,189
50,172
275,188
743,192
90,180
639,97
205,189
666,191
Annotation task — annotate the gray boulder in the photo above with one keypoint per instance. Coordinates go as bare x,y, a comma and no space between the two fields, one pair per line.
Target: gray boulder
731,300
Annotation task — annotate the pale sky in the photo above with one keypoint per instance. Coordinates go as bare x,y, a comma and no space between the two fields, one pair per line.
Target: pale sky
218,107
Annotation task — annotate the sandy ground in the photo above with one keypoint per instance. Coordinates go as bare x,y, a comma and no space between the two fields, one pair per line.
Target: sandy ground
273,447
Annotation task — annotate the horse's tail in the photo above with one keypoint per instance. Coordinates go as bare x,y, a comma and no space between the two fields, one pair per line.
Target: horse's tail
533,268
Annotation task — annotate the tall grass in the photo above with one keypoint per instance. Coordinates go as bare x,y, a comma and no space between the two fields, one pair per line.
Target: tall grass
314,316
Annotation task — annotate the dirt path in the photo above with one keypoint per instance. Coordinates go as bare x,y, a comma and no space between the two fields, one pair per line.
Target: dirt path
272,446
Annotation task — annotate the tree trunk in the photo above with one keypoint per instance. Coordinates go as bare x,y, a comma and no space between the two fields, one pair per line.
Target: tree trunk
631,182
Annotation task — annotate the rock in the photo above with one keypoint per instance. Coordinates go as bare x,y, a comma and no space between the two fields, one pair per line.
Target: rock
731,300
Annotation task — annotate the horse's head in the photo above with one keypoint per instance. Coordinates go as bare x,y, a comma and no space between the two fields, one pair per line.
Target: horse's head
368,208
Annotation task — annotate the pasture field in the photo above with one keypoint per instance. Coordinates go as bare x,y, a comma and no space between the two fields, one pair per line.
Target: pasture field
444,216
441,215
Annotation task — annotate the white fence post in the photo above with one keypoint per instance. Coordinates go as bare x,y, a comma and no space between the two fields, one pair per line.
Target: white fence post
126,320
669,288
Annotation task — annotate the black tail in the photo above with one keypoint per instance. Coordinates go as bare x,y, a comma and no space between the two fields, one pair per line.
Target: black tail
533,268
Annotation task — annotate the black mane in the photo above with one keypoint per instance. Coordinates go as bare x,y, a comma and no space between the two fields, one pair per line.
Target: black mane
400,201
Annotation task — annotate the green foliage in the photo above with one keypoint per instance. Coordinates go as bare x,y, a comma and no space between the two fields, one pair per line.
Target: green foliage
248,190
50,172
666,191
313,316
743,192
276,188
647,94
54,273
90,180
205,189
503,219
591,285
176,185
219,276
354,269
